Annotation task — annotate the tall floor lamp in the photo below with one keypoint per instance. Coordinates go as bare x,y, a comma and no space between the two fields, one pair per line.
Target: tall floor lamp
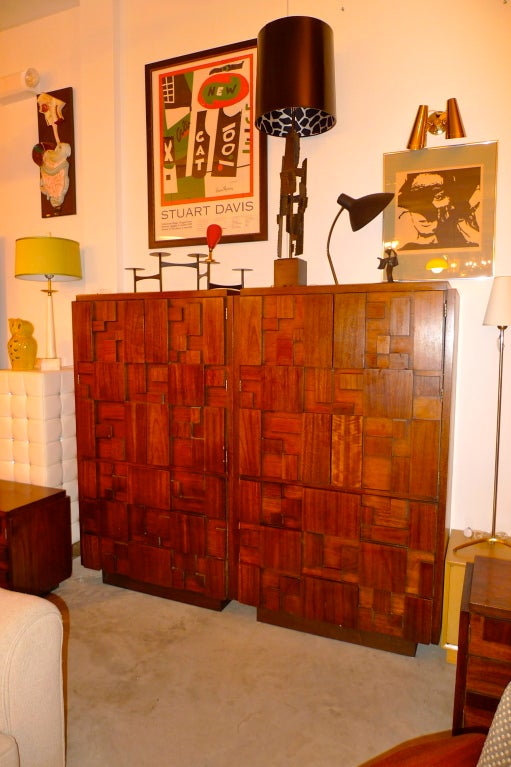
498,313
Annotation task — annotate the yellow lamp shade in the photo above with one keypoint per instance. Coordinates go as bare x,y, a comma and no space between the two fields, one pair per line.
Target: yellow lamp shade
40,258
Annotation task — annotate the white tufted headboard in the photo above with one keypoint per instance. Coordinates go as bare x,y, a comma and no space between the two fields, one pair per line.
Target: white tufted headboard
38,432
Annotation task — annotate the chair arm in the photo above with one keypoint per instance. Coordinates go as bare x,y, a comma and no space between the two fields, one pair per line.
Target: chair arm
8,751
437,750
31,684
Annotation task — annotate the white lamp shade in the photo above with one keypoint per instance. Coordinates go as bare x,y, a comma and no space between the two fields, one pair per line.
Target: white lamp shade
498,311
38,258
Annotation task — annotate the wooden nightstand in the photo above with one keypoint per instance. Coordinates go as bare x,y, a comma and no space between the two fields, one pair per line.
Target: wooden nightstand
484,646
455,564
35,537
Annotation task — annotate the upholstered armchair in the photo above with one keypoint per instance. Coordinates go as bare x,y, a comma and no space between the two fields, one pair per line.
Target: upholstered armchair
32,730
469,749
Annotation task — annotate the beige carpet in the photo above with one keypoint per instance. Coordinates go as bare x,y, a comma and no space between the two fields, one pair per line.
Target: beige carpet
152,683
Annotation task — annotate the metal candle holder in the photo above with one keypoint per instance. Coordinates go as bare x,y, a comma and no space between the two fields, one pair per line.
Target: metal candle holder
213,235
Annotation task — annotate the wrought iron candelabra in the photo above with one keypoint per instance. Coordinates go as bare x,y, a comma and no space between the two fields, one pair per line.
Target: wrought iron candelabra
201,264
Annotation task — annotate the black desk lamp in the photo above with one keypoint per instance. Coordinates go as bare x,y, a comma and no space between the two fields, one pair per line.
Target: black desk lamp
361,212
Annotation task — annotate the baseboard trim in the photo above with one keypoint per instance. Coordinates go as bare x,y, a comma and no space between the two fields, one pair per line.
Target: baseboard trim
188,597
331,631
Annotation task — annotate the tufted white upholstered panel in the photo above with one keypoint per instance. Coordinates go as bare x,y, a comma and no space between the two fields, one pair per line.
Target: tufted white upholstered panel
38,432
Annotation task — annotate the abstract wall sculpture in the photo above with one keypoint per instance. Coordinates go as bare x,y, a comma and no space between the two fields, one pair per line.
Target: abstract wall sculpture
54,153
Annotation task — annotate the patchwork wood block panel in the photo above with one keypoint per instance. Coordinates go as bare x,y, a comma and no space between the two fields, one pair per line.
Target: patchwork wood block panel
286,447
154,420
344,405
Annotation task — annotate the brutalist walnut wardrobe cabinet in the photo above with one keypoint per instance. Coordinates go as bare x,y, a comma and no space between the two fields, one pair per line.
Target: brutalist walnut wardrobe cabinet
342,423
153,412
285,447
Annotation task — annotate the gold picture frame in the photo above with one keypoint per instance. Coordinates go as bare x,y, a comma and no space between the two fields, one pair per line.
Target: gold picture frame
441,222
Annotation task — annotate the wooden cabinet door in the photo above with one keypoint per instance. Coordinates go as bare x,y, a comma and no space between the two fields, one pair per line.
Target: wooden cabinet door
341,486
153,418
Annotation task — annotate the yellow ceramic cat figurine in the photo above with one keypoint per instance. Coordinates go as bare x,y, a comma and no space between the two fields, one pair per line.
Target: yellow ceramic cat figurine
22,347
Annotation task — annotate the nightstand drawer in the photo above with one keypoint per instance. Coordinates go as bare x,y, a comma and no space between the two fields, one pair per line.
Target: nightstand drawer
487,676
490,637
479,710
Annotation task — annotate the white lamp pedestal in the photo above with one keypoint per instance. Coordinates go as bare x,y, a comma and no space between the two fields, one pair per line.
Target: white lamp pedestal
51,361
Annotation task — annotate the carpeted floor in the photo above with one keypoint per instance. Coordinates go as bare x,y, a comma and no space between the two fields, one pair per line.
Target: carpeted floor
156,683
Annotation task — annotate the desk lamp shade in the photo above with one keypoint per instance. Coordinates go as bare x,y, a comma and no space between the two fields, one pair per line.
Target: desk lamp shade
47,259
295,77
361,211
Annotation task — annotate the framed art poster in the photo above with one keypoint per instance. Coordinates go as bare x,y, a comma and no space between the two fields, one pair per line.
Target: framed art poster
206,161
442,218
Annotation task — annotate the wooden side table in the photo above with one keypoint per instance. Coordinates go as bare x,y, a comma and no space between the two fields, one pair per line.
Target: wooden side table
484,646
455,563
35,537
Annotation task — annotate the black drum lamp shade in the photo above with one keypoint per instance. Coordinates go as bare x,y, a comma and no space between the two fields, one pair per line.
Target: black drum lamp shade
295,77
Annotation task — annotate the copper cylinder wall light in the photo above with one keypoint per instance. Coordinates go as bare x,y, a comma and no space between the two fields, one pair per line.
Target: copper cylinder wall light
295,97
436,123
417,138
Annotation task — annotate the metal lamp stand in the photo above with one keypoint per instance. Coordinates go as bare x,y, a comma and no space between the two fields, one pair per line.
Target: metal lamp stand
493,538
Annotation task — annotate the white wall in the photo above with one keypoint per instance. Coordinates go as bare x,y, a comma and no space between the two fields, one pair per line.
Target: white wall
390,57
